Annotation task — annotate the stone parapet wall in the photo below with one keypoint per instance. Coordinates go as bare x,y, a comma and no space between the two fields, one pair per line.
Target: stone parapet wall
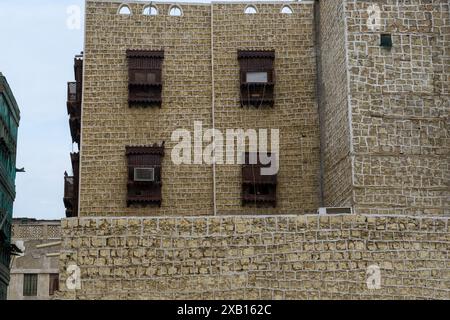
36,230
256,257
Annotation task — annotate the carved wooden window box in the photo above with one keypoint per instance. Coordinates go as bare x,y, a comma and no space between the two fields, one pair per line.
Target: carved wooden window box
144,175
145,77
257,189
257,78
69,195
74,97
75,128
73,100
71,184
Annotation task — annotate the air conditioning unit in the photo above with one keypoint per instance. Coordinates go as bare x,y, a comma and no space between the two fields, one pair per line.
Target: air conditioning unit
144,174
334,210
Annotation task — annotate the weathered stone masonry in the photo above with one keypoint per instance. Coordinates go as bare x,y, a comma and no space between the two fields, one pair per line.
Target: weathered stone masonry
336,171
379,116
385,112
108,124
257,257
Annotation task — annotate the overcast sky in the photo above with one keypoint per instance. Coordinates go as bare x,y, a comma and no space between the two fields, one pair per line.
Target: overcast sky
36,56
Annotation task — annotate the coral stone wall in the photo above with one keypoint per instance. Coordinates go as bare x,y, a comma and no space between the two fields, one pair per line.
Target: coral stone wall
333,102
394,157
400,107
295,111
108,124
257,257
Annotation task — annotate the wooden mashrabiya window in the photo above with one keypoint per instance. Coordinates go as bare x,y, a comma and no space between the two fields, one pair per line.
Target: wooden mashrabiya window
257,78
257,189
145,77
144,175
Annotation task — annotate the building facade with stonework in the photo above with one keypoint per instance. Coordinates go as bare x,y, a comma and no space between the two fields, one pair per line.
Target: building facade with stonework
9,124
189,46
35,273
359,92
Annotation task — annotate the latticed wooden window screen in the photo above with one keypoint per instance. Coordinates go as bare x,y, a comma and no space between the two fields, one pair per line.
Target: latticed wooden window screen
257,189
144,77
257,77
144,175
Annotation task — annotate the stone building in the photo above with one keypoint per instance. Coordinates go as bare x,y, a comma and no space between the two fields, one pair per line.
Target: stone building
359,92
34,273
9,123
188,53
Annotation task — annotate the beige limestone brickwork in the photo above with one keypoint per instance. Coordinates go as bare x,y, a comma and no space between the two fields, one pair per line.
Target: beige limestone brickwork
257,257
203,38
360,126
385,111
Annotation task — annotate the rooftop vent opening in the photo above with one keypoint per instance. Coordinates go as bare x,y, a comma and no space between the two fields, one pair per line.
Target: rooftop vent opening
250,10
287,10
124,10
150,11
175,11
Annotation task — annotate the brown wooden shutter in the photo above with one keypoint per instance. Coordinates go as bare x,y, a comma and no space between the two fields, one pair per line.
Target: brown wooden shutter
257,189
144,158
145,77
257,91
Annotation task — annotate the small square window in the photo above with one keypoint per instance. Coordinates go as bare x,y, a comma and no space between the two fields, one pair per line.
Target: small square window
30,285
386,41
